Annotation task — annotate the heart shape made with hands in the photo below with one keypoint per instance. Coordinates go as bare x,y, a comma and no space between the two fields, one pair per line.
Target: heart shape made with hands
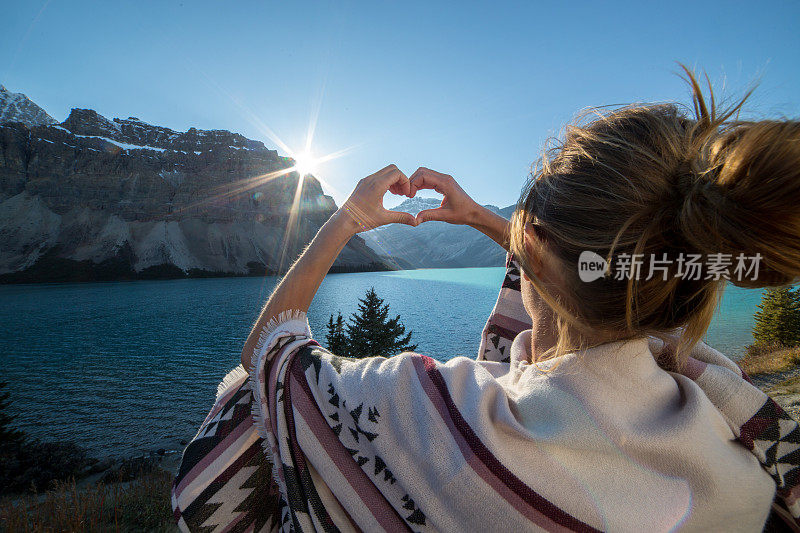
456,204
365,204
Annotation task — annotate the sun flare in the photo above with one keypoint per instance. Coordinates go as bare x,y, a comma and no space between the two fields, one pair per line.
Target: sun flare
305,163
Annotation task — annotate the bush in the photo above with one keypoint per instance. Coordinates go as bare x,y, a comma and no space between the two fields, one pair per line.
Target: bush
34,466
766,358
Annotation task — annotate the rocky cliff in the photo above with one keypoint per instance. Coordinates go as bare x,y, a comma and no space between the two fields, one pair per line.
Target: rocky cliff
16,107
436,244
93,198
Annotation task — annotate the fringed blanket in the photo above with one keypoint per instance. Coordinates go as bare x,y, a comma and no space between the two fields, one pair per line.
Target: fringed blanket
606,440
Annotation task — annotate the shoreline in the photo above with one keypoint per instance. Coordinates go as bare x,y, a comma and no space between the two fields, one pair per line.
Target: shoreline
90,273
119,471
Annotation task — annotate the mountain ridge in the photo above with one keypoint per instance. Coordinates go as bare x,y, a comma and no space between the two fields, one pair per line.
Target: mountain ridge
97,198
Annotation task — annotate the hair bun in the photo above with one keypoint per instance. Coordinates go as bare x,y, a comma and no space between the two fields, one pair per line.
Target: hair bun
746,201
688,179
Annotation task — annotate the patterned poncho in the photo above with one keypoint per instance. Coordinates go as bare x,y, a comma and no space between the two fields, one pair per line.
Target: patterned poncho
306,440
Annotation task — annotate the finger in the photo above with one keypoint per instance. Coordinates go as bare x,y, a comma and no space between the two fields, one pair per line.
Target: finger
383,177
400,189
441,214
392,178
391,167
399,217
387,171
425,178
427,172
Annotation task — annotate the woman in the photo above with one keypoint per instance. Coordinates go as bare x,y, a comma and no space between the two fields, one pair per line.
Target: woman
592,405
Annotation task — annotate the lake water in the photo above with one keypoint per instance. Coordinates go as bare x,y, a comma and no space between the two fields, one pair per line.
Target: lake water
127,367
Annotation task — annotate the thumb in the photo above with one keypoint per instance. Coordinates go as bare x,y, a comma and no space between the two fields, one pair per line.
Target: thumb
429,214
399,217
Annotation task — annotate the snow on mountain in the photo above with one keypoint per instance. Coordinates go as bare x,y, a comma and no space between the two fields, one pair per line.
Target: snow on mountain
16,107
417,204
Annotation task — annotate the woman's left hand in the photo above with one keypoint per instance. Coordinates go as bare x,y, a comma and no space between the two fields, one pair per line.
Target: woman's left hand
364,209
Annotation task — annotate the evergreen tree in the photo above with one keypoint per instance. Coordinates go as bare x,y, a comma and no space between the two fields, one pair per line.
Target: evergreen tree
371,332
8,435
336,338
778,318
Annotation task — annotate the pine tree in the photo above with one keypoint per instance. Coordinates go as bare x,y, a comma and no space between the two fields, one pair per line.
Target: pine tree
778,318
8,435
371,332
336,338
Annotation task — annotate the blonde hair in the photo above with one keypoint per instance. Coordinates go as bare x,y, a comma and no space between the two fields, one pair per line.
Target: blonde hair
655,179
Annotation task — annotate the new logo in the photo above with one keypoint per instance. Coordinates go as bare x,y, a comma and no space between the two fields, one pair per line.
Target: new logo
591,266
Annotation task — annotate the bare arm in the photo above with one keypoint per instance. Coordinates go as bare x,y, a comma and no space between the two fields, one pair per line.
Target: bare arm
363,210
493,226
300,284
457,206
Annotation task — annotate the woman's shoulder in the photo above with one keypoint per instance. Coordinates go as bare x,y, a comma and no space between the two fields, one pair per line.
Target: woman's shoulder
391,372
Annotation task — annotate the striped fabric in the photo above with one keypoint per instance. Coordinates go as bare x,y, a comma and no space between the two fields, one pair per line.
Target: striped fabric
506,320
308,441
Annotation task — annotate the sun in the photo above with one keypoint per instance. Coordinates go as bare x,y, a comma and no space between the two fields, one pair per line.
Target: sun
305,163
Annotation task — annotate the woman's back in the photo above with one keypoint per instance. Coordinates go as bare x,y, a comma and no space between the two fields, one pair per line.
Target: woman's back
607,440
619,441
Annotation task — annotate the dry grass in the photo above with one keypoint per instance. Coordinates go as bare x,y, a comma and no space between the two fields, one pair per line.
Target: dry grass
785,387
769,359
141,505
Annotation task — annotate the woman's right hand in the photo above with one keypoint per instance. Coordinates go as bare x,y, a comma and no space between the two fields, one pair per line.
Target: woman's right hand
457,207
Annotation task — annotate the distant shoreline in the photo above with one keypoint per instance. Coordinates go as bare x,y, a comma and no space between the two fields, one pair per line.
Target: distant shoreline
171,272
57,270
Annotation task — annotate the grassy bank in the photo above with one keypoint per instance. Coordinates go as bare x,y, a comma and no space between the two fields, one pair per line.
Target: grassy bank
139,505
769,359
775,369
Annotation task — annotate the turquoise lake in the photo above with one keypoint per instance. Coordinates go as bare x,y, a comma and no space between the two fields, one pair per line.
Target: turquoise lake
129,367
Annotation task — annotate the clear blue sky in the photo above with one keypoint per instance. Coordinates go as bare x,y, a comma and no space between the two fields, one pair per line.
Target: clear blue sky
469,89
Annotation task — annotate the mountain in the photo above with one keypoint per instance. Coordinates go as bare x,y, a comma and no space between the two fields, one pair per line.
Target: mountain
16,107
95,199
435,244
